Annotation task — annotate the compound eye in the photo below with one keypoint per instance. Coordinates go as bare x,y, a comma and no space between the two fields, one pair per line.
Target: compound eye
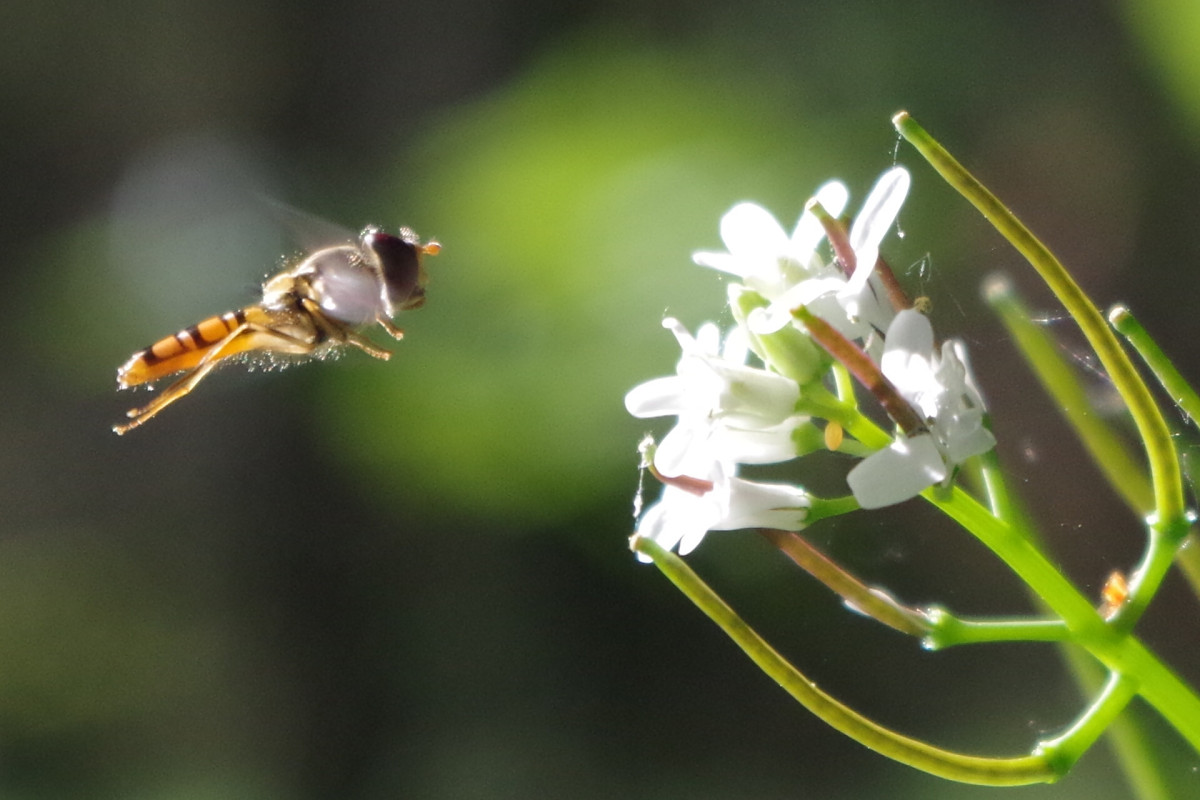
400,263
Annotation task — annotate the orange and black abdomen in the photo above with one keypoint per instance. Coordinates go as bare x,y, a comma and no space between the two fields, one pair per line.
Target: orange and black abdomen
181,351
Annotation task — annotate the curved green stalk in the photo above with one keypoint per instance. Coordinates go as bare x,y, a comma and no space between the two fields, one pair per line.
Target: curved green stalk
1117,650
1016,771
1181,392
1124,474
1106,449
1091,725
1160,553
1183,395
1114,648
1125,735
1025,559
1152,428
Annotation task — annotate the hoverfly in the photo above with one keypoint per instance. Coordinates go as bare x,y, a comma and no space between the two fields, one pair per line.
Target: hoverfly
310,309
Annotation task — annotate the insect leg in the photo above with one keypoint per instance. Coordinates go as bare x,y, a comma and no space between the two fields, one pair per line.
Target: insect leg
392,330
367,346
224,348
341,333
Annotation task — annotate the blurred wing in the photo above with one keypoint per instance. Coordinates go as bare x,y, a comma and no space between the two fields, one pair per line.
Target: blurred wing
308,231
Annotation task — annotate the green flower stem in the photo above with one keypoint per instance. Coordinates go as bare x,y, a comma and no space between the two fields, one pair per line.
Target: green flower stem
1017,771
1160,553
1143,763
1117,650
853,447
817,400
1163,368
1188,554
874,603
1014,546
1025,559
947,630
1000,499
1152,428
937,627
844,383
1059,380
824,507
1130,743
1064,750
1106,448
1181,392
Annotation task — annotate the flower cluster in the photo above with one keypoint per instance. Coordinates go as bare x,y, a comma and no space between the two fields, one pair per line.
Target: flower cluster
728,413
731,412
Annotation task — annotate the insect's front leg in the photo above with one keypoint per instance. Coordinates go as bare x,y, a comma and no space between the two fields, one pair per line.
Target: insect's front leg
387,325
341,333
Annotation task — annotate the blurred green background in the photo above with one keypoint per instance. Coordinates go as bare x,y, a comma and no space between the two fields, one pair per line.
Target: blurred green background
368,580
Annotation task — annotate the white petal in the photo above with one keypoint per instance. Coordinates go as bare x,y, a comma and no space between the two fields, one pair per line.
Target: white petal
761,446
892,475
871,305
659,397
749,231
750,504
878,213
692,536
670,519
911,331
708,339
681,518
972,392
779,313
865,258
906,357
967,442
768,320
880,209
683,445
719,261
736,348
754,397
653,526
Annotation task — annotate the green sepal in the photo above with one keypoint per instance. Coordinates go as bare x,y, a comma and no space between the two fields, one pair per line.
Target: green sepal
788,351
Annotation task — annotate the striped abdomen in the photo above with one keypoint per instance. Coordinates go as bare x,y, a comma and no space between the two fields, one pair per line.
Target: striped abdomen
181,351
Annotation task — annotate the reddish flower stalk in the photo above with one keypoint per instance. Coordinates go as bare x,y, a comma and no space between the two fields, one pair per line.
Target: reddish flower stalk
863,369
872,602
697,486
843,253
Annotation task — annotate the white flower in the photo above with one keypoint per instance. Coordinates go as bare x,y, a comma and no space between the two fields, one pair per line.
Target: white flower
940,385
858,305
902,470
727,411
682,517
760,253
941,388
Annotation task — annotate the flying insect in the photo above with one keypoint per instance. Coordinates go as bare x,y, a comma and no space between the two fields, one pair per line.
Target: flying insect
312,309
